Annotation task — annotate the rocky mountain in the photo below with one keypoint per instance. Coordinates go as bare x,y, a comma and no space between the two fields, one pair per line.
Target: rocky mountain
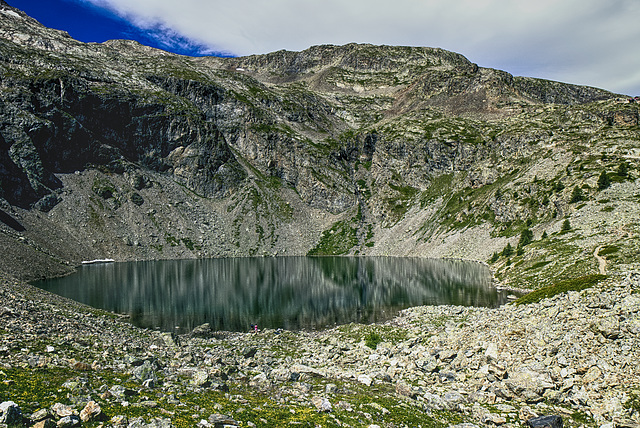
117,150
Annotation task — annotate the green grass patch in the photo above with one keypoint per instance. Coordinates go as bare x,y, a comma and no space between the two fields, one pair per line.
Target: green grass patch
608,250
538,265
340,238
372,339
575,284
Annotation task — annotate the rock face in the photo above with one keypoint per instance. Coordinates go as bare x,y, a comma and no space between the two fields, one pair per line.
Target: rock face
121,151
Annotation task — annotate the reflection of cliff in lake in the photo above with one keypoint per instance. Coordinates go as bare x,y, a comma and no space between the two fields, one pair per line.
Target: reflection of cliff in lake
288,292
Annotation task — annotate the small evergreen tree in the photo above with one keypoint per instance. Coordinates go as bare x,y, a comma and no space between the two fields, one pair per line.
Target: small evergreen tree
566,225
526,237
507,251
494,258
576,195
544,235
603,181
623,170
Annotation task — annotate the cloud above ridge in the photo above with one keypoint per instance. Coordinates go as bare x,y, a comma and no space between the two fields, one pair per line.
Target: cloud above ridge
587,42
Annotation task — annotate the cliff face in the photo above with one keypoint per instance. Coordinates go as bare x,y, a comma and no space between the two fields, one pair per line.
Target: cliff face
123,151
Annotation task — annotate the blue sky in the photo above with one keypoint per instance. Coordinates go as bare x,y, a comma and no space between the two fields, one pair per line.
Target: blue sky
587,42
87,22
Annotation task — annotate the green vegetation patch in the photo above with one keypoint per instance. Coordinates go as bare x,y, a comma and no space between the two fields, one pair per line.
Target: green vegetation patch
372,334
103,188
372,339
575,284
336,241
608,250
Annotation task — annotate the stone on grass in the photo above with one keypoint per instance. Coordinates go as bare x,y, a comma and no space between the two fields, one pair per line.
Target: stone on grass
62,410
365,379
69,421
322,404
46,423
90,412
552,421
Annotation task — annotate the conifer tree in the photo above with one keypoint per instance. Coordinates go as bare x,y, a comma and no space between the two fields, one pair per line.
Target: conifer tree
603,181
576,195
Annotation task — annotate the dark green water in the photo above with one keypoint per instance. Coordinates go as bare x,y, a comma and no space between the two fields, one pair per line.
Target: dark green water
284,292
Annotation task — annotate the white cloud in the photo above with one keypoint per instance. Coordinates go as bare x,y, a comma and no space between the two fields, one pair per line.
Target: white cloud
579,41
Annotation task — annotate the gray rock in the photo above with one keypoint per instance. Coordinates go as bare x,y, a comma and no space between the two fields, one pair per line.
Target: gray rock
552,421
322,404
41,415
249,352
145,372
452,399
90,412
203,331
608,326
10,413
69,421
155,423
62,410
200,378
219,421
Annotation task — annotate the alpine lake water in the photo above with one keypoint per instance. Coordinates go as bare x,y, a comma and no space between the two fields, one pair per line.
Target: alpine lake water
292,293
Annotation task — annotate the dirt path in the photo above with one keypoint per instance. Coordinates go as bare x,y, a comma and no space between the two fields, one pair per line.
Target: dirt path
602,262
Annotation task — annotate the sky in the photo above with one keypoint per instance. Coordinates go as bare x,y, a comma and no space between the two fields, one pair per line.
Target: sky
586,42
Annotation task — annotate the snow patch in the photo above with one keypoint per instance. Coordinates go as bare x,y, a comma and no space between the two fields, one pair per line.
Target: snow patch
10,13
89,262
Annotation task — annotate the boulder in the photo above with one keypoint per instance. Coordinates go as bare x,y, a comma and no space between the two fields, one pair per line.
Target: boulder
322,404
10,413
552,421
46,423
365,379
200,378
219,421
204,331
69,421
62,410
146,372
90,412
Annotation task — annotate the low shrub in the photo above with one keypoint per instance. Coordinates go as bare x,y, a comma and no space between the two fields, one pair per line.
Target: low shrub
575,284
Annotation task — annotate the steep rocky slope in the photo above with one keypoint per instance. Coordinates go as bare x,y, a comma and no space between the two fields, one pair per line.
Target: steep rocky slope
117,150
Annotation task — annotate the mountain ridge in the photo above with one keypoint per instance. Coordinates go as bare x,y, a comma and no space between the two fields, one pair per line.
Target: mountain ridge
134,153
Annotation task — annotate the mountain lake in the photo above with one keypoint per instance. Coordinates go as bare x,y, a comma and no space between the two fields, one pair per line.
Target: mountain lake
291,293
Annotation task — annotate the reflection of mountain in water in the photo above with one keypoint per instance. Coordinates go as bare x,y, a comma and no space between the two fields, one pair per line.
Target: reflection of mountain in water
288,292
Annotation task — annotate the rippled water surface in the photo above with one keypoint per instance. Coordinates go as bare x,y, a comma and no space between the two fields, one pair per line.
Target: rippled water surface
283,292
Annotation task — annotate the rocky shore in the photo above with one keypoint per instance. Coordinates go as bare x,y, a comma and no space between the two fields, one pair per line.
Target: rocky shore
573,356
